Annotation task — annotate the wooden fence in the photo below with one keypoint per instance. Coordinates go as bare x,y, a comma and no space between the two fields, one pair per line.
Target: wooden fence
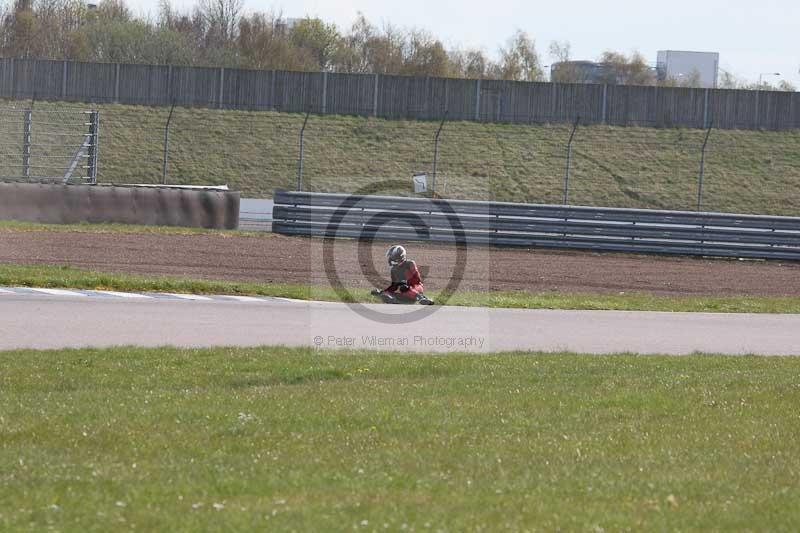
398,97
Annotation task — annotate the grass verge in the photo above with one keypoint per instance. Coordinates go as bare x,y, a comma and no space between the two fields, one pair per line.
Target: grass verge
294,439
52,276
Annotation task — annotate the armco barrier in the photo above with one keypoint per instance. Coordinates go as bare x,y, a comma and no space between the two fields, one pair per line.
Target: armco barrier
530,225
162,206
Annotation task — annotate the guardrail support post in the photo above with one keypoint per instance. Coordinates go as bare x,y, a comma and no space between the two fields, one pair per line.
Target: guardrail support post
569,160
703,168
26,144
94,136
302,153
166,145
436,153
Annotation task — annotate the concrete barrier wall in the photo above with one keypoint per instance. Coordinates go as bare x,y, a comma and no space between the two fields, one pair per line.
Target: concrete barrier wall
69,204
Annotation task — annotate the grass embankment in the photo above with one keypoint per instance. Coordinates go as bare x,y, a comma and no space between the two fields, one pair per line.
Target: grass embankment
291,439
256,152
51,276
86,227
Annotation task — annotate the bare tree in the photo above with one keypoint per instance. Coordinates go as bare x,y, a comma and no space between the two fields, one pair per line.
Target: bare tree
20,27
424,55
472,64
519,60
627,70
727,80
560,51
262,44
318,39
353,55
563,69
221,18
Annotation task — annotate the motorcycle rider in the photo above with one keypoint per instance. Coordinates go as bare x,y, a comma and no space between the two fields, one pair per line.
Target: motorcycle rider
406,286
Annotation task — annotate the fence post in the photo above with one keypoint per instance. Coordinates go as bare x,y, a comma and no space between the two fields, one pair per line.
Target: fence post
605,102
26,144
271,101
324,92
426,105
477,100
755,118
221,87
94,144
569,160
530,102
375,98
446,94
169,85
11,80
302,152
64,81
702,168
436,152
166,145
116,83
705,109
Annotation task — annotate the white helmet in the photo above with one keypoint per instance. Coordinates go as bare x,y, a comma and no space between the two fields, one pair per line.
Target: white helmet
396,255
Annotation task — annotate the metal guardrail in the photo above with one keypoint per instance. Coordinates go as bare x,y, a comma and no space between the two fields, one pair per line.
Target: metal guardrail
532,225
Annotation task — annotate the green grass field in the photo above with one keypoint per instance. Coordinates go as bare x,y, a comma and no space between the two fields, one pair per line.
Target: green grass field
297,440
256,152
53,276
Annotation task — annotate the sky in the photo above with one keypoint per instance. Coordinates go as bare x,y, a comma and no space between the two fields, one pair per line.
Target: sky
752,37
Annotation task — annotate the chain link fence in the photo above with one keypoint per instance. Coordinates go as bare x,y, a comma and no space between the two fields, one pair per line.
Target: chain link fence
595,165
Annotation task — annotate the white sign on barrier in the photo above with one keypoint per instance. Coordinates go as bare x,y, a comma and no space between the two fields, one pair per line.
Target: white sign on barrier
420,183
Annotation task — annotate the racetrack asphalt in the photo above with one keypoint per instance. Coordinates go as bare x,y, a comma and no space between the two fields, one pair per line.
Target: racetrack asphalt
64,320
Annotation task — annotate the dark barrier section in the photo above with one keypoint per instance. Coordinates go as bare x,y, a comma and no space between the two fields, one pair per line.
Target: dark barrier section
159,206
536,225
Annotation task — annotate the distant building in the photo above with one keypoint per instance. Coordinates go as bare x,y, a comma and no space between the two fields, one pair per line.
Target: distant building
700,69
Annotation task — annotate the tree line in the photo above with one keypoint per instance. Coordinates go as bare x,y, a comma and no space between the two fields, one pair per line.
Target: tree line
219,33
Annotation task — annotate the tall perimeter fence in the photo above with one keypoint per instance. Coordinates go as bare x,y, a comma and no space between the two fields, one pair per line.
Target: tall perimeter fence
398,97
256,152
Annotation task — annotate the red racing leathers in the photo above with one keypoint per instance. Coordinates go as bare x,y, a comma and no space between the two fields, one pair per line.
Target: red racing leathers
406,282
